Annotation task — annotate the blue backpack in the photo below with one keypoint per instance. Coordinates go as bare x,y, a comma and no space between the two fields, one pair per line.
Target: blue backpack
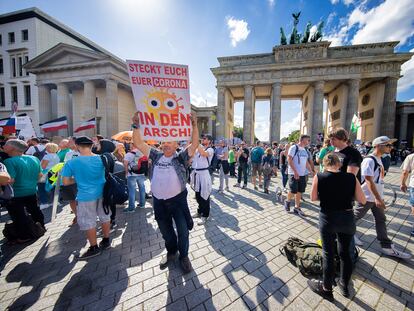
256,155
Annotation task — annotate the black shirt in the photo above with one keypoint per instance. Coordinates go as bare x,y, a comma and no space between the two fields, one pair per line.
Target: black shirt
243,159
350,157
336,191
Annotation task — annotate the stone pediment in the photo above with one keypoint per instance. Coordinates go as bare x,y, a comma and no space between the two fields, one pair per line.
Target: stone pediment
64,55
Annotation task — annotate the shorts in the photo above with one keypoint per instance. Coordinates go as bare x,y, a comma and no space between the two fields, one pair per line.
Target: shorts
297,185
411,199
68,193
256,169
87,212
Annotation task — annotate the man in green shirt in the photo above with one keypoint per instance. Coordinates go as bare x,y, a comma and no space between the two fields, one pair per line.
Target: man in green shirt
63,149
24,171
232,162
327,147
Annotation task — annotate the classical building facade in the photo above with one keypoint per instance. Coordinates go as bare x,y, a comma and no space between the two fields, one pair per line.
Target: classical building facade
405,122
357,79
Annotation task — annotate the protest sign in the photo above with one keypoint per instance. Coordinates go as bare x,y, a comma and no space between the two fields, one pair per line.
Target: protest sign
162,98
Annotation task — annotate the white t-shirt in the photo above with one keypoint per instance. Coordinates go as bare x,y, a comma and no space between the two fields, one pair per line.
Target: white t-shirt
200,162
164,182
129,157
53,159
70,155
367,169
408,166
299,160
32,149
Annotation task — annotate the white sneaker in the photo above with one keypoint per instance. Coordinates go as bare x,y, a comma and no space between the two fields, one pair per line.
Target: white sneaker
395,253
358,241
202,221
44,206
237,185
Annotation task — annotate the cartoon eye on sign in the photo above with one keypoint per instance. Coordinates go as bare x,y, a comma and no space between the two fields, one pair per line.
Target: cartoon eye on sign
155,103
170,104
159,101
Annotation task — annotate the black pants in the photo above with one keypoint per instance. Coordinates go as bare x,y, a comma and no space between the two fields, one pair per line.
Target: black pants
233,169
17,208
203,205
113,212
242,171
338,226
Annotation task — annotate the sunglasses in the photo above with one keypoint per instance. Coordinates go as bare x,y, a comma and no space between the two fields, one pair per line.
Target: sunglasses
388,145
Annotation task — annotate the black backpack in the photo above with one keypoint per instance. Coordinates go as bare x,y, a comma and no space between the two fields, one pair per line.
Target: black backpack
115,189
39,154
34,230
140,166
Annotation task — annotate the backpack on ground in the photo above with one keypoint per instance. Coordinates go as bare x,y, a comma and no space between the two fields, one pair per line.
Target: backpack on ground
34,230
115,189
139,165
307,257
39,154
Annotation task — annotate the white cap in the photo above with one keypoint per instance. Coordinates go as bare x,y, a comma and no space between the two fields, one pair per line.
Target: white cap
382,140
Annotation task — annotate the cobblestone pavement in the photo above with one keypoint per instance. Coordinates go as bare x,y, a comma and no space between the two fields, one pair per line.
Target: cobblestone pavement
236,260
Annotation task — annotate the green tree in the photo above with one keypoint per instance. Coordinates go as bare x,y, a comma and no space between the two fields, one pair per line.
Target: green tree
294,136
238,132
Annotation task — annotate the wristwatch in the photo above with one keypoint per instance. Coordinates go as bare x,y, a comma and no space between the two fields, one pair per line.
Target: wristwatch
135,126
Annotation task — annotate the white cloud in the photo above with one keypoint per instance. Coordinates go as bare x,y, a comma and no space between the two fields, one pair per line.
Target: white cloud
407,70
290,126
334,1
239,30
390,21
312,31
348,2
262,127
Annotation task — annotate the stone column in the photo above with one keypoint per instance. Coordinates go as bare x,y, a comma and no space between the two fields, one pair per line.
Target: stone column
111,102
221,113
389,107
63,107
210,125
275,112
403,126
45,104
248,114
88,109
317,111
352,103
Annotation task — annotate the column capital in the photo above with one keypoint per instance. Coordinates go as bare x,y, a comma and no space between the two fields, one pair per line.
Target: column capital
318,85
353,82
248,87
276,85
221,89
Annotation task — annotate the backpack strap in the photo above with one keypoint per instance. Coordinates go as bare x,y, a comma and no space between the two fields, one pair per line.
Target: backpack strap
37,149
376,166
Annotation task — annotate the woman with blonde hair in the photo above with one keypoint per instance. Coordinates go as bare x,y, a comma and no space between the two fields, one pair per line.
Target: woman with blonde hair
336,192
49,160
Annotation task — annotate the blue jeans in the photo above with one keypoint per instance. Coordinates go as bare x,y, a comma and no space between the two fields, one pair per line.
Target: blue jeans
44,196
165,211
285,175
132,183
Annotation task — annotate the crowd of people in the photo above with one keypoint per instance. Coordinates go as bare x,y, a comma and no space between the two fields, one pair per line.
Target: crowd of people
342,173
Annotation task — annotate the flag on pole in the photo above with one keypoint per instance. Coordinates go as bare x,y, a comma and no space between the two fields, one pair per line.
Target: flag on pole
55,125
89,124
355,124
10,126
3,121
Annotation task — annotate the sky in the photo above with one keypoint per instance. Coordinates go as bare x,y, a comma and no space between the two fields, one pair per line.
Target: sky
197,32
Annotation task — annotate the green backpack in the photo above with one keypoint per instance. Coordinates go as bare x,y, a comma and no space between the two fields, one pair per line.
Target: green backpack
307,257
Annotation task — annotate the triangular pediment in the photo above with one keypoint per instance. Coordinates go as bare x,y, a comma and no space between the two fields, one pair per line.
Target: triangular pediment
64,54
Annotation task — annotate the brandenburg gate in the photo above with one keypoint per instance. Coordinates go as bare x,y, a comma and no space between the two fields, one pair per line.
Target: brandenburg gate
357,79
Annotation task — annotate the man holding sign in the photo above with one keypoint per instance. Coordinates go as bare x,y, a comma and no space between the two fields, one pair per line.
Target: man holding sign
168,175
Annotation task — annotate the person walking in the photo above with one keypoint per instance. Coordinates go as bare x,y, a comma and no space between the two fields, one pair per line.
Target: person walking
88,172
408,171
232,162
200,178
136,166
243,157
336,191
372,172
224,166
297,165
269,168
284,166
327,147
256,156
169,191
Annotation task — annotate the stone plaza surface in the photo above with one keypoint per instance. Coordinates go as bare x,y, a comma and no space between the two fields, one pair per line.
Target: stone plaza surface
236,260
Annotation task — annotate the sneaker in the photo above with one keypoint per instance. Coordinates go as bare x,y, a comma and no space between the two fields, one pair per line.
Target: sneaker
412,232
127,210
202,221
287,206
196,215
237,185
317,287
285,190
266,191
244,186
392,251
44,206
113,224
260,186
298,212
166,259
255,188
92,251
227,189
105,244
148,196
358,241
186,265
343,289
219,191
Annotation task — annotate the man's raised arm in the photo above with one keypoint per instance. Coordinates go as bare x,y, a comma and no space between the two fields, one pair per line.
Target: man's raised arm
137,138
194,136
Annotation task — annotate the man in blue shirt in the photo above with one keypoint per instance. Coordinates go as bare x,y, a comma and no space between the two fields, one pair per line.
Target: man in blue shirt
88,171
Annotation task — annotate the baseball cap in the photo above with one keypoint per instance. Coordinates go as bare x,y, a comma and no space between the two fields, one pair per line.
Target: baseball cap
382,140
83,140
